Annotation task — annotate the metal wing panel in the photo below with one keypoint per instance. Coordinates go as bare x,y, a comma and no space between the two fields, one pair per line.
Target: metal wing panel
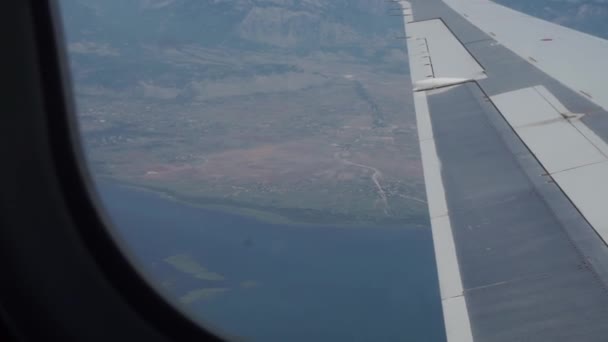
529,264
576,59
450,59
455,313
522,275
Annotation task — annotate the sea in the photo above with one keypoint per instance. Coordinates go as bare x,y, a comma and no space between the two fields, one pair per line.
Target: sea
281,282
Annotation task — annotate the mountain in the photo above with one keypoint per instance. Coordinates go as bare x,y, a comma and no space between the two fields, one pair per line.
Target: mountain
117,44
298,24
588,16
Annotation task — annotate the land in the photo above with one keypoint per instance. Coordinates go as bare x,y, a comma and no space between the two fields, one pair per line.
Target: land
207,285
272,127
186,264
201,294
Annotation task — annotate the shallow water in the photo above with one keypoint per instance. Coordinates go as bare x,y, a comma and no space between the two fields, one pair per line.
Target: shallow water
281,282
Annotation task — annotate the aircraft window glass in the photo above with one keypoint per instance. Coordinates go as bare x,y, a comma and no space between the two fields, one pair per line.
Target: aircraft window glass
259,159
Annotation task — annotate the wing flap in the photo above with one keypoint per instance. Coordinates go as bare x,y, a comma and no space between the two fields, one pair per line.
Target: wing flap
572,154
512,231
455,314
587,188
435,53
549,134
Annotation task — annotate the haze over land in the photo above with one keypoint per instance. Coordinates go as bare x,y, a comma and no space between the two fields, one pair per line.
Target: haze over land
298,108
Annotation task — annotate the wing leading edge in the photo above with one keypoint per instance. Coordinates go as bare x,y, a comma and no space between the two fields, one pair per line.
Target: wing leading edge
515,164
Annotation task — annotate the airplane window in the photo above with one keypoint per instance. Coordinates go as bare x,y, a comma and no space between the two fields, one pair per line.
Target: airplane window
259,161
266,163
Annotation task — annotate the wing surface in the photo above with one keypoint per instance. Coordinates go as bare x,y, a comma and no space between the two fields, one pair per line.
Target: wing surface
512,122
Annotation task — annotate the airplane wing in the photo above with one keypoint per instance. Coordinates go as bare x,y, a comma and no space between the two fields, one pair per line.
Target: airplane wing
512,116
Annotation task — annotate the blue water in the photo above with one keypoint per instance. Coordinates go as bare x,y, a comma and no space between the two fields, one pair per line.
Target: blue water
312,283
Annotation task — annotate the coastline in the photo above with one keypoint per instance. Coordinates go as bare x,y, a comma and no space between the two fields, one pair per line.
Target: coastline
265,215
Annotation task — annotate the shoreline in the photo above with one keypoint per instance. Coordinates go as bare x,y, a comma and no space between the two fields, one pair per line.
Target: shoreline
260,214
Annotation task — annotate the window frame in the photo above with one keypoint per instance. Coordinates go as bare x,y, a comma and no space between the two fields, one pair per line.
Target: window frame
67,278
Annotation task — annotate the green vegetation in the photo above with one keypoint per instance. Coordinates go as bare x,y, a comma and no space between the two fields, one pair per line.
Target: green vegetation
186,264
202,294
413,215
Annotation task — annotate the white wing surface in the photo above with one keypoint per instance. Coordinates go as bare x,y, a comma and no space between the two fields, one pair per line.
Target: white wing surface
513,124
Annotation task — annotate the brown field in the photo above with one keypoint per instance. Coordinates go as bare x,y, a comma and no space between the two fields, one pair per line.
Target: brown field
336,137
